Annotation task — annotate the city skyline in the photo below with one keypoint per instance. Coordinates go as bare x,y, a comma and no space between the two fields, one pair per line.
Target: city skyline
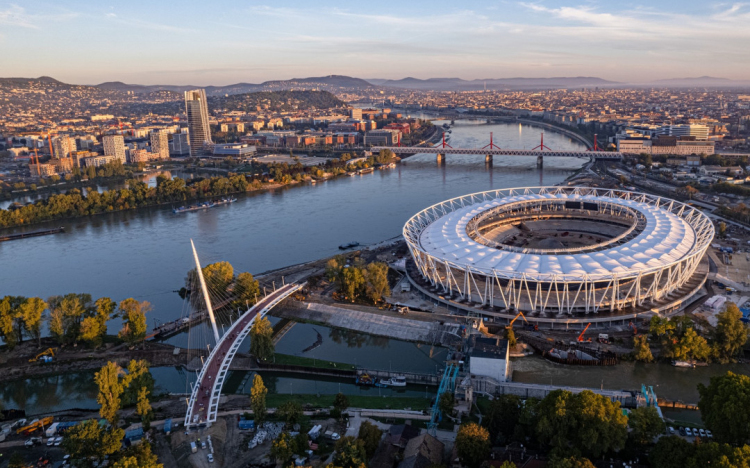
156,44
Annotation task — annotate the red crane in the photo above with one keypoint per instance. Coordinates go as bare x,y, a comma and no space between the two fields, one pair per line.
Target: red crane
580,338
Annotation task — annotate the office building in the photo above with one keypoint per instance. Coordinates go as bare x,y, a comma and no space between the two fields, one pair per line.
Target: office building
160,144
355,114
114,146
63,146
700,132
382,137
196,109
180,145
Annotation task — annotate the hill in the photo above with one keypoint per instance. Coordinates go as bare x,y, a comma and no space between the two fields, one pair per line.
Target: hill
701,81
458,84
276,101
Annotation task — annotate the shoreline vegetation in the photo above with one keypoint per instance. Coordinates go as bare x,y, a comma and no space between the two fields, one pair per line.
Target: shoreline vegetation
172,191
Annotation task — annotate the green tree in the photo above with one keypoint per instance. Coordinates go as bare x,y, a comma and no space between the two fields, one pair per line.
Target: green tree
143,408
350,453
89,439
11,320
334,268
370,435
134,325
645,424
32,311
138,376
690,346
725,407
376,276
641,349
290,411
138,456
446,403
282,448
340,402
502,416
473,445
352,282
246,291
730,334
258,399
585,422
17,461
261,340
508,464
670,452
66,316
572,462
218,275
94,328
722,229
110,391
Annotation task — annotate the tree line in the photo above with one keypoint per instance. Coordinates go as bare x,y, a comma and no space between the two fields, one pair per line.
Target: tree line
678,339
71,319
358,281
137,194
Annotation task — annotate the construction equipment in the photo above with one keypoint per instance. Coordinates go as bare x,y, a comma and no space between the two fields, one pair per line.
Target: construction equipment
633,327
47,353
580,338
35,425
530,326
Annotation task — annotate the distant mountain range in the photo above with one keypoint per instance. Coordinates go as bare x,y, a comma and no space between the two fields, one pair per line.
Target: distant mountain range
457,84
707,81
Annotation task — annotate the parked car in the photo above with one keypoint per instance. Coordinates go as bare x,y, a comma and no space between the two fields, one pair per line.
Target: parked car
210,458
203,445
50,442
709,434
682,431
58,441
671,429
702,432
688,431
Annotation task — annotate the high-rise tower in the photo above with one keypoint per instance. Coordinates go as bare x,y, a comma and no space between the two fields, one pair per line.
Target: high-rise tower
196,108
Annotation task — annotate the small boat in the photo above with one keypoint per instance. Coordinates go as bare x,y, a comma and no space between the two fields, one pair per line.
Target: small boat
199,206
352,174
383,383
224,201
686,364
366,170
364,379
395,381
350,245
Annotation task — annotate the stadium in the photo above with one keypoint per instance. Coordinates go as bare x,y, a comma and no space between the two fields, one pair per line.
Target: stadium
559,253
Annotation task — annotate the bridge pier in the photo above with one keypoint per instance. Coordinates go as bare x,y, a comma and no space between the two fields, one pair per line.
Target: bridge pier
488,159
440,158
540,161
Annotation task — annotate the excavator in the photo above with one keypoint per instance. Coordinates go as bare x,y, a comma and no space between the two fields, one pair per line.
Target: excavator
44,356
528,325
581,339
633,327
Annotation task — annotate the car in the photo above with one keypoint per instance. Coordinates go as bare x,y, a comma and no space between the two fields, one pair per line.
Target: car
210,458
709,434
702,432
58,441
29,443
682,431
50,442
203,445
688,431
335,436
671,429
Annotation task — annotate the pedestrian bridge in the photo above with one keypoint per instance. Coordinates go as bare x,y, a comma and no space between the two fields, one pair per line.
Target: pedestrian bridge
203,404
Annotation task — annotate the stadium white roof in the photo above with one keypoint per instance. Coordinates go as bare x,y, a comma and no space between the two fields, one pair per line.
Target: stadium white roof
666,239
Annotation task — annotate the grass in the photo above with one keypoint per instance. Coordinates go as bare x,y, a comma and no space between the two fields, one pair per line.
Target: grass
355,401
287,359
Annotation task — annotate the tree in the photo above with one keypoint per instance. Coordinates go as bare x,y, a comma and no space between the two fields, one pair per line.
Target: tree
730,334
722,229
89,439
246,291
641,349
446,403
508,464
17,461
370,434
110,391
138,376
94,328
291,412
689,347
261,340
32,311
138,456
66,316
134,326
352,281
258,399
586,422
143,408
11,320
340,402
376,276
502,417
350,453
218,275
334,268
572,462
725,407
282,447
646,424
670,452
473,445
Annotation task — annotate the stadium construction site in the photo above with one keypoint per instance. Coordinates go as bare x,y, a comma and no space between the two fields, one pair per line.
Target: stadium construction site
561,255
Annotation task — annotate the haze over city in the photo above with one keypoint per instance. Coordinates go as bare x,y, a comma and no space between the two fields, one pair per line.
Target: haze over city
88,42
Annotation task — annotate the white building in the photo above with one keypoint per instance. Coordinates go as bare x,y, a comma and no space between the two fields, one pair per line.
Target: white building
180,145
382,137
63,146
114,145
678,147
196,108
489,357
700,132
160,144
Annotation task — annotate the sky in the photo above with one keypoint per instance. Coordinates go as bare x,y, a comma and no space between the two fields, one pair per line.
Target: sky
222,42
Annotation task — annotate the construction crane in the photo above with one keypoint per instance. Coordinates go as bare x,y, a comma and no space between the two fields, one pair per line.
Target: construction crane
47,352
35,426
633,327
38,168
529,325
580,338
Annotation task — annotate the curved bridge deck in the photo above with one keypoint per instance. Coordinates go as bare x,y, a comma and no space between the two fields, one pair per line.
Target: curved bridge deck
204,398
597,155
